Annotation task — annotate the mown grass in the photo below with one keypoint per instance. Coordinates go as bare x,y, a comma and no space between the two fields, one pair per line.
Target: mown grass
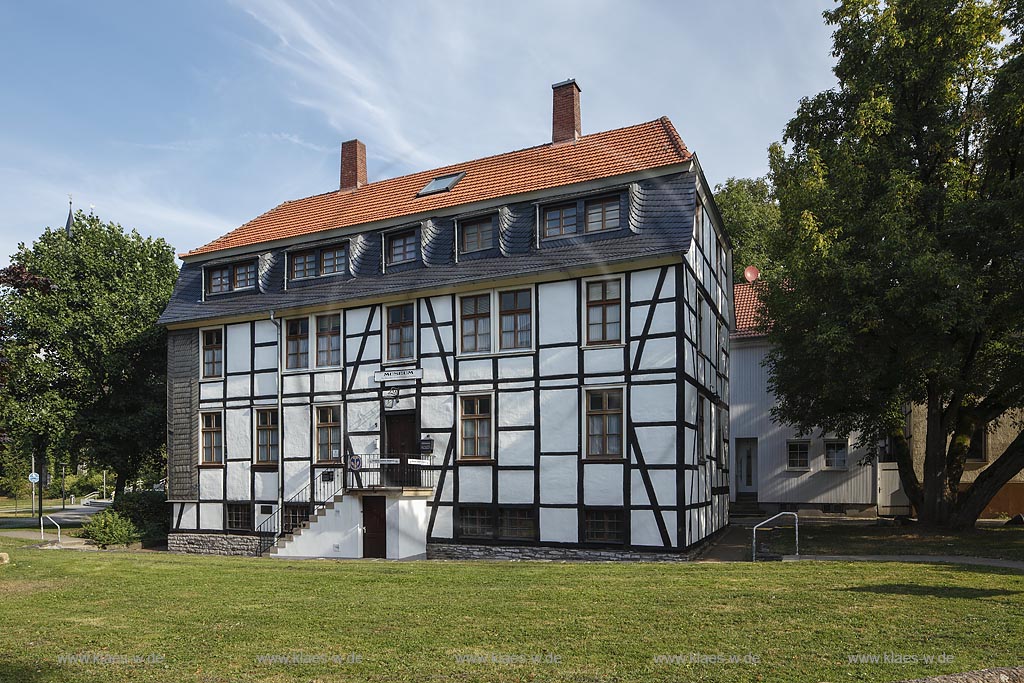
988,541
210,619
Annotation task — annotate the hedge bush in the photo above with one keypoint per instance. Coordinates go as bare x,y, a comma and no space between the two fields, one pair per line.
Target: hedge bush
148,511
110,528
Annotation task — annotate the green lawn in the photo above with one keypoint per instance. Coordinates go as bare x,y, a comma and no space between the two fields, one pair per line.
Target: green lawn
998,541
210,619
23,506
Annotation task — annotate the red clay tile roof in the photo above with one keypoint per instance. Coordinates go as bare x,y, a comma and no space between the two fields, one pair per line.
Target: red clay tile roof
592,157
744,297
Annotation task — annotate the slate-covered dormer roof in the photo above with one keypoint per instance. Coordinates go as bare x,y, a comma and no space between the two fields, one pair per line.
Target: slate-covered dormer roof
646,146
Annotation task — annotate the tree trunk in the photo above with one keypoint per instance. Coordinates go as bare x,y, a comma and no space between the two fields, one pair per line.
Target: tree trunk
905,462
936,505
972,502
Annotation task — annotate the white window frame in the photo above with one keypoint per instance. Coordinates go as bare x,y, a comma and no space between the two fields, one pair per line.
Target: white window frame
623,311
846,457
494,426
792,468
584,451
384,360
223,354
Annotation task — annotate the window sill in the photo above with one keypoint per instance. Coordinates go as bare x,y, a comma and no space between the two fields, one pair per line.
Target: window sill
481,355
476,461
399,361
601,345
604,459
798,469
294,371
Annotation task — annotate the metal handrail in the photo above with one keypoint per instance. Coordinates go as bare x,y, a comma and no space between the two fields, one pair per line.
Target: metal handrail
272,527
42,536
796,519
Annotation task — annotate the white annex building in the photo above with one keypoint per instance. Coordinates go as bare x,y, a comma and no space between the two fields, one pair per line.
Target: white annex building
525,355
774,467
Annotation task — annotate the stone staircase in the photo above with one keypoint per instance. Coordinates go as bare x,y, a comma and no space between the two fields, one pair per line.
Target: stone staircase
321,512
745,506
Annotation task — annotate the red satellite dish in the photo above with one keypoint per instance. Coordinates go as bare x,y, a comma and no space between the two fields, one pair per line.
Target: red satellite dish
751,273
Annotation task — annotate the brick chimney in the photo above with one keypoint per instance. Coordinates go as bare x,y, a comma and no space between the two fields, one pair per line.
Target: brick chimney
565,111
353,165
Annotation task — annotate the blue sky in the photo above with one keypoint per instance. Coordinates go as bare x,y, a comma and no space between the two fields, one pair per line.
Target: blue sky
186,119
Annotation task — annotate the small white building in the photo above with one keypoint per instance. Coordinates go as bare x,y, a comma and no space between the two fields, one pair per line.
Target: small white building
773,468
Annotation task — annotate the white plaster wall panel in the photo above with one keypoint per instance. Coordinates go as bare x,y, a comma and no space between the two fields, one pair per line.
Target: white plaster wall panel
296,432
363,376
428,343
265,384
413,516
515,448
602,360
611,379
556,383
559,525
296,383
515,409
437,411
265,485
237,354
266,331
670,522
602,484
211,390
238,480
690,450
643,529
555,303
558,479
637,491
658,444
296,477
690,359
364,443
392,520
433,370
475,484
442,522
355,320
563,360
402,403
508,385
515,486
691,487
691,291
690,395
475,370
188,515
211,516
642,284
659,354
325,382
265,358
211,483
334,534
238,434
664,483
362,416
442,308
441,440
448,487
653,402
238,386
515,366
559,420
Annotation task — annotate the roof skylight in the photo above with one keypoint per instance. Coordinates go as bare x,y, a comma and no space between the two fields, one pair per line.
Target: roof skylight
441,184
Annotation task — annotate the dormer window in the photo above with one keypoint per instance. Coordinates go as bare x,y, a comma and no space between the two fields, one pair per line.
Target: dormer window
602,214
560,221
231,277
311,263
476,234
401,247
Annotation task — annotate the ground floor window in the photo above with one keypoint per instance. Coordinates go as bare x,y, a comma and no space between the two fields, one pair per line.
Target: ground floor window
239,517
835,455
604,526
798,455
476,522
294,515
328,433
517,524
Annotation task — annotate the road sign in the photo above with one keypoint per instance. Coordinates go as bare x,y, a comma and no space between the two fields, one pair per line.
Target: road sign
355,463
34,477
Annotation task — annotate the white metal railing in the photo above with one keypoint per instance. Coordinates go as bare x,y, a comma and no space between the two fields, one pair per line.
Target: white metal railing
90,496
42,536
796,520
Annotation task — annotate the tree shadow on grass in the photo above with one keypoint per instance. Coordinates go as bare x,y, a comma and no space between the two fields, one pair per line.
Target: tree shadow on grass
967,593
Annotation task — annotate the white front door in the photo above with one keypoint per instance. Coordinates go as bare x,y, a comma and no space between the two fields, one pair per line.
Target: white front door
746,465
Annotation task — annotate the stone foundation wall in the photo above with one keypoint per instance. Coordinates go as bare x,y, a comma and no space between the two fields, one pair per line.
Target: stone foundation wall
457,551
212,544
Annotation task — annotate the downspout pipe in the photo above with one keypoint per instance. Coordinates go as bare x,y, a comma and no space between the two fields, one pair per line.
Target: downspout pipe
280,420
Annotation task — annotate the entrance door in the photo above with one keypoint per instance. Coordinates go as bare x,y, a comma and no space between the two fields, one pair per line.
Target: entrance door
375,530
746,466
401,435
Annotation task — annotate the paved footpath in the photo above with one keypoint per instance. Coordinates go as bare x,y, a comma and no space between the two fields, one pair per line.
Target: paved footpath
66,541
732,546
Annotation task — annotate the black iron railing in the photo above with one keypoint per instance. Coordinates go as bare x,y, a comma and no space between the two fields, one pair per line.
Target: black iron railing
299,508
372,470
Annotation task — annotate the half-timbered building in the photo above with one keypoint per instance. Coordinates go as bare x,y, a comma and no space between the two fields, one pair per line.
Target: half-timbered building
525,355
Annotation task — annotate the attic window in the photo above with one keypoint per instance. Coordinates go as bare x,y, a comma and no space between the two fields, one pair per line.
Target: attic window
441,184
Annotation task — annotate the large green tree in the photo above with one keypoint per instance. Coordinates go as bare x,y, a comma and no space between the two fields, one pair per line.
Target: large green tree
85,360
901,243
751,215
